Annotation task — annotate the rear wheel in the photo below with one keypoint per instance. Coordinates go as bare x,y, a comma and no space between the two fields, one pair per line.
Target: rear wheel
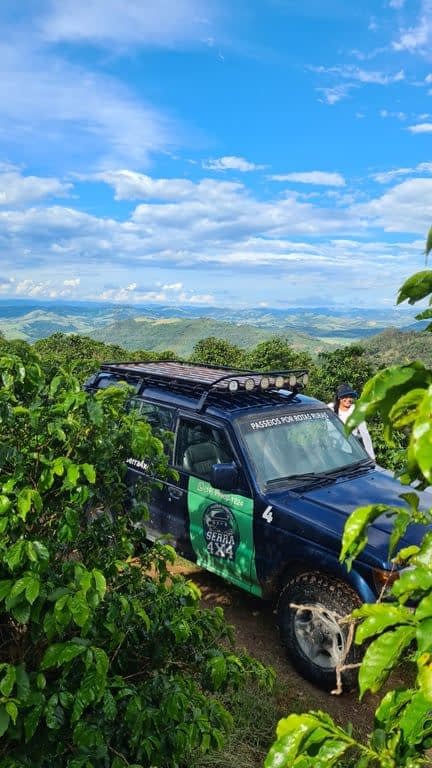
314,639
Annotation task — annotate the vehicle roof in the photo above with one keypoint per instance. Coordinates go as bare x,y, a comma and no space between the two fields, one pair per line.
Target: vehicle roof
200,388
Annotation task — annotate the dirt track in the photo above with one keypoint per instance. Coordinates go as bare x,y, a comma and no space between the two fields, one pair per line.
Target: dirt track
256,632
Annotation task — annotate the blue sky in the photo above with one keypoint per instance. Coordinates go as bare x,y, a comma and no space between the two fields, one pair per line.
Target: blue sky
214,152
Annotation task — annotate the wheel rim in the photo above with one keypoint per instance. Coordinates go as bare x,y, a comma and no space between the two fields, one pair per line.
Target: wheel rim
319,636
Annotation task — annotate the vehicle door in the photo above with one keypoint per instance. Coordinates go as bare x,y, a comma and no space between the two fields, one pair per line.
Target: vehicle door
220,523
162,420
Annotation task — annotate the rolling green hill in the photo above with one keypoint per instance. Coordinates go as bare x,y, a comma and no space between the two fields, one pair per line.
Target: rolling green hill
181,335
395,347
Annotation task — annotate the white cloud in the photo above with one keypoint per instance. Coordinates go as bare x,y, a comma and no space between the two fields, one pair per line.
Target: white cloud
231,163
166,294
312,177
335,94
136,22
397,115
130,185
406,207
216,227
387,176
418,37
420,128
397,4
47,104
356,74
16,189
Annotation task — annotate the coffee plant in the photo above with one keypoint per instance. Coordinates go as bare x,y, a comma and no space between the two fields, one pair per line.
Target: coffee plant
106,659
402,627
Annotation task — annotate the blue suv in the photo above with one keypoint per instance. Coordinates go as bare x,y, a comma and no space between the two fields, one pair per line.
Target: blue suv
266,479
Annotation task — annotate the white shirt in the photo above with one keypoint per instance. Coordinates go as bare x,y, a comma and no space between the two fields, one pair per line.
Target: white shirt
361,431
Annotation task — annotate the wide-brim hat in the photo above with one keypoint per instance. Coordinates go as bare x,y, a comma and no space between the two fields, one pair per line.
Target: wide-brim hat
346,390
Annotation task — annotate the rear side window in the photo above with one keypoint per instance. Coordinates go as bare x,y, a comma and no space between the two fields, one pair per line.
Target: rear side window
159,416
161,419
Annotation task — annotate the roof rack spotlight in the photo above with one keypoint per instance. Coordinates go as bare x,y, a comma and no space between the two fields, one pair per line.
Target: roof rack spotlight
292,381
279,382
265,382
305,378
233,385
249,385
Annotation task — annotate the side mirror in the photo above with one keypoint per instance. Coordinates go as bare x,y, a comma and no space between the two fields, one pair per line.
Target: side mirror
224,477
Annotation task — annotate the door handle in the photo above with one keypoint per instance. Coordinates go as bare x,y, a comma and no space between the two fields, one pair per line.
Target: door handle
175,494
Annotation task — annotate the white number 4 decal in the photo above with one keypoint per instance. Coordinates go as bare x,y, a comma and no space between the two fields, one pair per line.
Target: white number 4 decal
268,514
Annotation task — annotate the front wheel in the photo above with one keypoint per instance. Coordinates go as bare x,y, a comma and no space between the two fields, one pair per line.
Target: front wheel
314,639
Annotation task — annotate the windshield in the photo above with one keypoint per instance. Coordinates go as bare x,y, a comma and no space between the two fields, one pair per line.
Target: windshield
285,443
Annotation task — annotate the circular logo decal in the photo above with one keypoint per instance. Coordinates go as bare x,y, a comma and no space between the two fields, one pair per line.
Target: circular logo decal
221,532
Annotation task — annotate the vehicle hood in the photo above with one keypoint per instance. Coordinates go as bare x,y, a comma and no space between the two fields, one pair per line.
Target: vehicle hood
328,506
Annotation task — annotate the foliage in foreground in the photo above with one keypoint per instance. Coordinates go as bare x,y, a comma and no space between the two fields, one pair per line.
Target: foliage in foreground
402,731
105,659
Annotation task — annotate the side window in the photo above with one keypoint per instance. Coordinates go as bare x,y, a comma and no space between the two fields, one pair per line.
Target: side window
161,419
199,446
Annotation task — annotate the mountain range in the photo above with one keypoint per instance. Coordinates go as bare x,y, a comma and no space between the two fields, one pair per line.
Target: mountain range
178,328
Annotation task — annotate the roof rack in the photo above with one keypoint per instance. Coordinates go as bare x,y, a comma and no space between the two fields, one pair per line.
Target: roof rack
201,379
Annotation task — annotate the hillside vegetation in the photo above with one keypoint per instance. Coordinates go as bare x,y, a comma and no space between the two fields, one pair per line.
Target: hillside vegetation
395,347
182,335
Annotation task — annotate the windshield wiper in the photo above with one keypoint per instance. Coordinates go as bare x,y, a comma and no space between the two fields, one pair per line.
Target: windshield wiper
324,477
304,477
349,469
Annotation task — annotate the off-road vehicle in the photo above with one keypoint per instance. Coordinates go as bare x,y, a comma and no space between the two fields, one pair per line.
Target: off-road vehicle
266,480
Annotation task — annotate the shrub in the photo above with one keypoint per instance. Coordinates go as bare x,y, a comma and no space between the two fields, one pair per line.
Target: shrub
106,659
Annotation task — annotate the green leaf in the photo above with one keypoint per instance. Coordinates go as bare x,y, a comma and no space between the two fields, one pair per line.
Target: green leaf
410,581
58,466
22,683
415,722
24,502
218,670
404,411
354,538
428,247
421,436
424,608
4,720
12,710
8,680
424,635
100,582
31,721
41,551
89,472
79,609
73,474
61,653
32,589
21,612
388,711
381,656
5,504
424,675
5,588
417,287
400,525
14,556
379,617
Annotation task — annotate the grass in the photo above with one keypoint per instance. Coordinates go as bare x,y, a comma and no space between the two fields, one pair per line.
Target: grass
255,712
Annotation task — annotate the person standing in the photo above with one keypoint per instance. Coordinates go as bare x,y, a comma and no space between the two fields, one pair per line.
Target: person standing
343,406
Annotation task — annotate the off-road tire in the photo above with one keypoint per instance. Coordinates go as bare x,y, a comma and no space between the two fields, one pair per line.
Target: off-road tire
328,594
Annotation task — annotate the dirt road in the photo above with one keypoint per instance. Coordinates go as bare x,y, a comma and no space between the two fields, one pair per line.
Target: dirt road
256,632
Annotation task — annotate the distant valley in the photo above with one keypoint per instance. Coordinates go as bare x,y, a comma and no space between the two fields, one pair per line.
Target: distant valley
160,328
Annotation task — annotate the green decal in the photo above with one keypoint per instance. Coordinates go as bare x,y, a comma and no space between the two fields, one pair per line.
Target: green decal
221,531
